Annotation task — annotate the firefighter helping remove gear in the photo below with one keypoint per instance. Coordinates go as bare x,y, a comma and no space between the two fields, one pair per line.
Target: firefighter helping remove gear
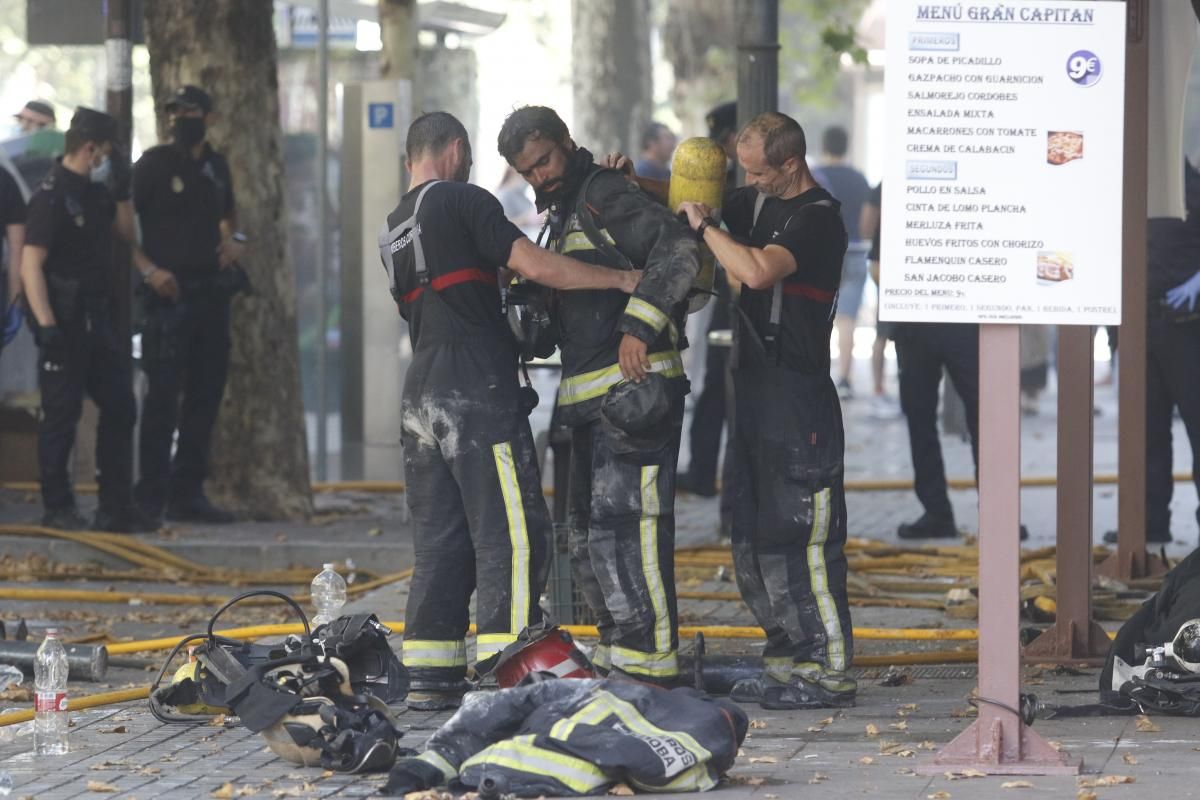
578,737
622,485
480,520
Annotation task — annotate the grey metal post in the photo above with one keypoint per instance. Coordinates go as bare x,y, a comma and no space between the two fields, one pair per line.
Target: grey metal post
322,228
758,58
118,47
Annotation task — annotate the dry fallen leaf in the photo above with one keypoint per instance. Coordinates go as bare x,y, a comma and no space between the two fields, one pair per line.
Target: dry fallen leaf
764,760
621,790
966,773
866,760
902,725
927,745
101,787
149,771
909,771
217,721
224,793
1107,780
757,724
906,709
815,729
939,796
118,729
745,780
826,721
1084,794
1146,725
872,729
818,778
1057,745
1016,785
1129,759
771,796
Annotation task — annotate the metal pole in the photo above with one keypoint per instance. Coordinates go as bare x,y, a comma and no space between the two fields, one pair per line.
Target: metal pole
1130,560
322,226
998,742
118,48
758,61
86,662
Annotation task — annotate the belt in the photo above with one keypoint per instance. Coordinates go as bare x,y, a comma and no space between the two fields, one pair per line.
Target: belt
452,279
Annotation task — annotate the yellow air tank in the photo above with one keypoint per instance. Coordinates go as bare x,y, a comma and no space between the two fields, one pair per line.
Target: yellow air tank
698,175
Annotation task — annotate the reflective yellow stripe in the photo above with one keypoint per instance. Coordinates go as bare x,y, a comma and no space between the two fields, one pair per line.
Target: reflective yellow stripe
778,667
635,662
640,309
432,653
819,581
443,766
694,779
521,755
562,730
601,657
650,568
590,385
517,534
607,704
488,644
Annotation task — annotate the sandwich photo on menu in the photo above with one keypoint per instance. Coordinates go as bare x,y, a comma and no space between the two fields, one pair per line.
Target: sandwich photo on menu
1055,267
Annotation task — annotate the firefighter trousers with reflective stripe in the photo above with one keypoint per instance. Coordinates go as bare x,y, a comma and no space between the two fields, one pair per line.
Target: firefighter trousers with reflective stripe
789,517
480,521
622,541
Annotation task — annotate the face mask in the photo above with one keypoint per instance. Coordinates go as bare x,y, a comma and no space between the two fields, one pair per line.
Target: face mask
102,171
188,131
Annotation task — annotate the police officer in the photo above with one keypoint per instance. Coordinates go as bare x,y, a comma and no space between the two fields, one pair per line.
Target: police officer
789,514
66,271
480,520
623,457
183,194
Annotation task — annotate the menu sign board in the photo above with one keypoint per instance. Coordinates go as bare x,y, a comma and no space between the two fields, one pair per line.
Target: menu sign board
1002,182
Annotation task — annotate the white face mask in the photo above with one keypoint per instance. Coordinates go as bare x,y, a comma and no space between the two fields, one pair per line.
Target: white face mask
102,171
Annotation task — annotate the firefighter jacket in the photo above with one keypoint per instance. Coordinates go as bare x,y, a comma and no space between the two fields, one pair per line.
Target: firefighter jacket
604,219
579,737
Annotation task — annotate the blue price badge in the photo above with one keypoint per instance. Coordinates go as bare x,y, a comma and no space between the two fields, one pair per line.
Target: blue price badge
381,115
1083,67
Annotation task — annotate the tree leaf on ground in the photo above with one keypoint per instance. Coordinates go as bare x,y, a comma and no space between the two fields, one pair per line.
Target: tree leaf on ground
1146,725
866,761
1084,794
1016,785
621,790
101,787
939,796
764,760
224,793
902,725
757,724
818,778
1129,759
1107,780
872,729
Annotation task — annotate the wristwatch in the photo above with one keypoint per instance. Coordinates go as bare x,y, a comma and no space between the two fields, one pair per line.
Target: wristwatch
705,224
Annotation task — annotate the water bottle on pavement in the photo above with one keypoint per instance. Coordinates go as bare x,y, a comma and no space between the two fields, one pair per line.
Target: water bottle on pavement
50,704
328,594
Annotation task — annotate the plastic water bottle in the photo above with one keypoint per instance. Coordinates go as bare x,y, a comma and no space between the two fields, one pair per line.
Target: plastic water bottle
328,594
50,704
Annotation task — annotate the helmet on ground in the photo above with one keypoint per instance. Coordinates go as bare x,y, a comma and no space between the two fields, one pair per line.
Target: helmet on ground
546,651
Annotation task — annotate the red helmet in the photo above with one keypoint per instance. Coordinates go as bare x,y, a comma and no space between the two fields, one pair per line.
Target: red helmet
553,652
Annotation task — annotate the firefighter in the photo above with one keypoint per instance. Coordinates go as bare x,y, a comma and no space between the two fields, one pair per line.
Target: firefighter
480,521
789,515
623,354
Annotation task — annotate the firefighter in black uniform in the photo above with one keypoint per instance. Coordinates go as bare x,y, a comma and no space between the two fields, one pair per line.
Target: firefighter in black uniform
473,486
67,273
789,513
622,486
183,194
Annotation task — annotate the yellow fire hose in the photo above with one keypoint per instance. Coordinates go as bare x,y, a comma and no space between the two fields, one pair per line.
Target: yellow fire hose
81,703
865,485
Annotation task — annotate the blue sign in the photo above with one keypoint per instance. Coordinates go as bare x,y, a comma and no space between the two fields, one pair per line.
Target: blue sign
381,115
1083,67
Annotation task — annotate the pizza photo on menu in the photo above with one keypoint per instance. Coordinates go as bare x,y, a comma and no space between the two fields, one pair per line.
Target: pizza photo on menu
1063,146
1055,266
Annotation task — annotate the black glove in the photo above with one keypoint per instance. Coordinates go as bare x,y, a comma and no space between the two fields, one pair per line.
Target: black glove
412,775
52,347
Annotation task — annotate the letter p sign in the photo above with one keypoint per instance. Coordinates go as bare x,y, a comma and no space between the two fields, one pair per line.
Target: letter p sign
381,115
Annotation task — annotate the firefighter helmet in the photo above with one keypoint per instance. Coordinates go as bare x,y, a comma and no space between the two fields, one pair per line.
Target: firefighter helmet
546,651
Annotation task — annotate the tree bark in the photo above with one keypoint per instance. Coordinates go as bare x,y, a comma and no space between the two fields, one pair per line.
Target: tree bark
700,41
398,32
611,78
227,47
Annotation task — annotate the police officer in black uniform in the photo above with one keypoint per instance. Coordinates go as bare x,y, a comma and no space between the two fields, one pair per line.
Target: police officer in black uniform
66,270
789,513
183,194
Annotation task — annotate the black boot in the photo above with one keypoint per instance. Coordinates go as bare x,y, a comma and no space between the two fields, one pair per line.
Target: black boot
66,518
198,509
928,527
129,519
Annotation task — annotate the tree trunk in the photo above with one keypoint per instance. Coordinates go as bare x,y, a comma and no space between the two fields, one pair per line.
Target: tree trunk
227,47
700,41
398,31
611,78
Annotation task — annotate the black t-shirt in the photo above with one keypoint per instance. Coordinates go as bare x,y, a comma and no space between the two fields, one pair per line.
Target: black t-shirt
12,205
181,201
465,238
72,217
813,233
